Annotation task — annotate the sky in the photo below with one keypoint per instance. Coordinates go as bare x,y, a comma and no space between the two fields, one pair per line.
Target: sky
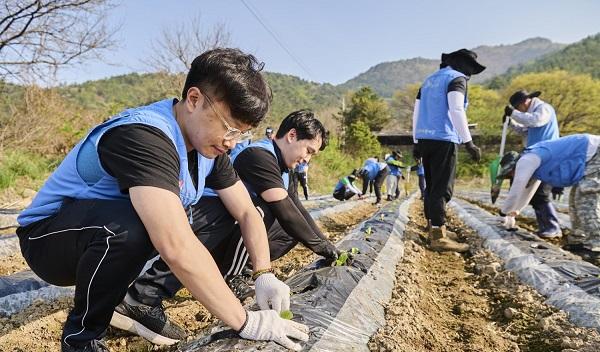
333,41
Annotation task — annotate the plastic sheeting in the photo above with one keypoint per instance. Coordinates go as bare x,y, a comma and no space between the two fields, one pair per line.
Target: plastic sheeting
8,218
9,245
568,282
343,306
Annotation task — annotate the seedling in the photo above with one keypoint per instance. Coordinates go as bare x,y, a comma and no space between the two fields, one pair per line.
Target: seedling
342,259
382,217
354,250
368,231
286,314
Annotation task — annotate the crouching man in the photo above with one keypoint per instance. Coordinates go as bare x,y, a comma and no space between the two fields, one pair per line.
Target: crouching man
126,190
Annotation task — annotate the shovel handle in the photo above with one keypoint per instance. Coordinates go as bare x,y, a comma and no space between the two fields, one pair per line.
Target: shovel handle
504,131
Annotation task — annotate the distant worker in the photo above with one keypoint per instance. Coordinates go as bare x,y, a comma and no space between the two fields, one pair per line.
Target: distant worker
439,126
373,171
269,133
301,177
563,162
420,170
536,119
345,188
393,179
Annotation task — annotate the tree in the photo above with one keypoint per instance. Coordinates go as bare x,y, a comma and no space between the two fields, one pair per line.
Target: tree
402,106
368,107
179,45
38,37
360,141
575,97
485,108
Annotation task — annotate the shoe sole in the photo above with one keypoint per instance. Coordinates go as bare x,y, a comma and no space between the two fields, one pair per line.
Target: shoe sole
123,322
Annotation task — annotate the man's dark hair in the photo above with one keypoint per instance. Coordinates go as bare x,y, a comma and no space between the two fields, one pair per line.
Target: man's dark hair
307,126
234,77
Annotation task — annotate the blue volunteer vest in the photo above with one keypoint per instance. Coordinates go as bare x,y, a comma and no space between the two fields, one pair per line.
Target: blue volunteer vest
434,119
372,169
394,170
263,143
81,176
547,132
563,160
340,184
420,170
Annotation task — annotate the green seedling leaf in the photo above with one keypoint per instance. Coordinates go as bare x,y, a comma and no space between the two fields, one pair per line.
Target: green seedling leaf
354,250
382,217
342,259
368,231
286,314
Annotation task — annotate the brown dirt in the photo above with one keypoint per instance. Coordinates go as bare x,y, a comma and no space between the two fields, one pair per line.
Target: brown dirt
12,264
448,302
39,327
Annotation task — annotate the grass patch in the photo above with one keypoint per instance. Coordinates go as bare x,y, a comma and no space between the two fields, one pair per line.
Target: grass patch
16,165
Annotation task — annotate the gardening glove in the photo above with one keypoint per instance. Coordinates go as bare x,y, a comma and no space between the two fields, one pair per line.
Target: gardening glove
557,193
508,110
269,290
327,250
267,325
416,153
509,222
473,150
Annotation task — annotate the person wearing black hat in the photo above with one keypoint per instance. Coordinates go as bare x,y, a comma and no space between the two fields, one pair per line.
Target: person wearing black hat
563,162
536,119
439,126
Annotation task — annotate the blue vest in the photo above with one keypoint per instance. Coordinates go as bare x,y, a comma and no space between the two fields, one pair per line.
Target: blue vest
263,143
543,133
81,176
563,160
302,167
340,184
420,170
434,119
372,169
394,170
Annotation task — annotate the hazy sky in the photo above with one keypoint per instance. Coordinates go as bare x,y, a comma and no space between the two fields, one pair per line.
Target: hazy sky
336,40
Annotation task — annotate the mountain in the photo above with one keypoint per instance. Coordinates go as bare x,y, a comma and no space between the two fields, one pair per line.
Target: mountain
113,94
580,57
387,77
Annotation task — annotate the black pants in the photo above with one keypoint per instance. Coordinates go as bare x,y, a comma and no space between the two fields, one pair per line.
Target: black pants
214,226
99,246
343,194
377,183
302,178
541,196
219,233
439,161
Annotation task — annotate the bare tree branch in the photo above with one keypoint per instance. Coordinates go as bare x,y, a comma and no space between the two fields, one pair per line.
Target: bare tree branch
177,46
38,37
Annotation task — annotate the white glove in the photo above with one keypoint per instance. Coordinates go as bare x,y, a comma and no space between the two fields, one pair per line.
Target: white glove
269,290
267,325
509,222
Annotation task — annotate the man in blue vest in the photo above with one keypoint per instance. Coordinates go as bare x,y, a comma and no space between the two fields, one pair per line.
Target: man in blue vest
263,167
439,126
563,162
373,172
128,188
301,177
395,174
536,119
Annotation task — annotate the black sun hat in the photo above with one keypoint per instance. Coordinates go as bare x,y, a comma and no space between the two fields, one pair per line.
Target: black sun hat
463,60
521,95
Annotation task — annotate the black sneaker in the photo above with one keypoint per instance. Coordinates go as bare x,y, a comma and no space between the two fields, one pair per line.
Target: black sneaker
148,322
93,346
242,286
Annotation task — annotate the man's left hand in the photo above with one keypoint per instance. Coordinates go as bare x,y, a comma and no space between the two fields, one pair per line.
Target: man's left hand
271,293
508,110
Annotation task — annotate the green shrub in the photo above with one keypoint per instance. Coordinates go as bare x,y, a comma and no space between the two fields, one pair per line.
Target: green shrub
15,165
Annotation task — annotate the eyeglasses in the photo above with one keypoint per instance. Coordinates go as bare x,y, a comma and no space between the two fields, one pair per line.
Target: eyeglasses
232,133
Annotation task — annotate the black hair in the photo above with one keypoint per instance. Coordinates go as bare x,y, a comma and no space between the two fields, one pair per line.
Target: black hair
307,126
234,77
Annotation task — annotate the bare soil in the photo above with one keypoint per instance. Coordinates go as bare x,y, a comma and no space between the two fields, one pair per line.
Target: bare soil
39,327
449,302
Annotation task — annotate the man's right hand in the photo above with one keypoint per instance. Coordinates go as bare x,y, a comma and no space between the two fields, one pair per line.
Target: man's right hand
474,151
267,325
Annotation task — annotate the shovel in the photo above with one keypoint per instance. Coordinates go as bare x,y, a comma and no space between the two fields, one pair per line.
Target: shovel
495,164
